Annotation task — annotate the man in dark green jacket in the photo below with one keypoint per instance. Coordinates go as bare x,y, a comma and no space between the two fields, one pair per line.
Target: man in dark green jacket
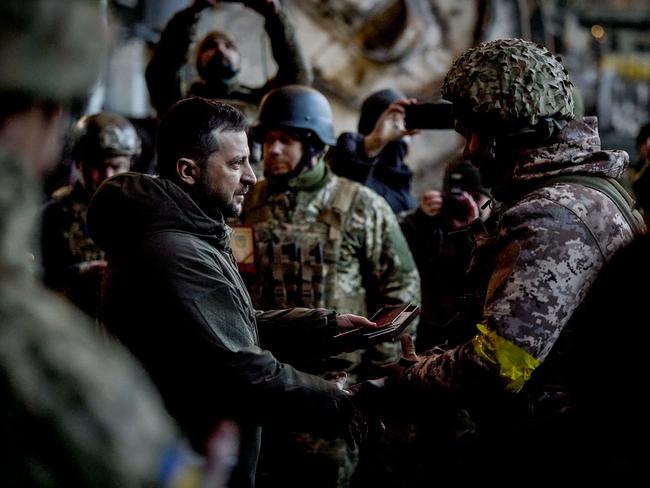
173,295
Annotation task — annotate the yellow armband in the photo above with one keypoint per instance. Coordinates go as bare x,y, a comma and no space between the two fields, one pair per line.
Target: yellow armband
515,364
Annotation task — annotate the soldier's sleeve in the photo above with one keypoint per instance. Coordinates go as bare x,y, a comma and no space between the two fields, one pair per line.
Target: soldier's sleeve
169,56
293,67
387,263
546,260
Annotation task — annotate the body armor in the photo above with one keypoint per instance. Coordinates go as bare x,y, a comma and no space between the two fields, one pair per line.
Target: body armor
299,254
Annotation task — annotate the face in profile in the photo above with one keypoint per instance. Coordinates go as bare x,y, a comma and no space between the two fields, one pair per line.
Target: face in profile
281,152
218,58
226,177
94,172
480,151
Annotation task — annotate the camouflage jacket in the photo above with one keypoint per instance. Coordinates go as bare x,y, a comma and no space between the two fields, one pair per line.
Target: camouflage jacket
367,262
66,246
76,410
533,265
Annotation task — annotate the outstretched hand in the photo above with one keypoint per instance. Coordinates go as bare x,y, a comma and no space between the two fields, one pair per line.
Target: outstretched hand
350,321
395,371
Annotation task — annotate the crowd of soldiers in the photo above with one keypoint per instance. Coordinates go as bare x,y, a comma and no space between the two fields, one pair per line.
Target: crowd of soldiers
166,318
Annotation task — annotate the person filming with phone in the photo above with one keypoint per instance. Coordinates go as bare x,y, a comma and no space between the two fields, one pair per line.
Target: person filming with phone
375,156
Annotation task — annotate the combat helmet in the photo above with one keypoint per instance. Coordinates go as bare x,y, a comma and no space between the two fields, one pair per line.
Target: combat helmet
53,50
510,85
103,135
296,107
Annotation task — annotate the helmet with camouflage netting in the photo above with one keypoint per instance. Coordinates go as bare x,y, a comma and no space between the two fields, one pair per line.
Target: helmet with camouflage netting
103,135
510,86
51,50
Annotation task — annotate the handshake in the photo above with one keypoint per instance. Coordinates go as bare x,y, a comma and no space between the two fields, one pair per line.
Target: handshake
374,399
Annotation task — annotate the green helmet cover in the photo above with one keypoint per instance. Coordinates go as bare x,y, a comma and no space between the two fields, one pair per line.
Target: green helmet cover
510,83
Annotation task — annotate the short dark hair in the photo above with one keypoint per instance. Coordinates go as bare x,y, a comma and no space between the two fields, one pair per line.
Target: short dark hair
186,131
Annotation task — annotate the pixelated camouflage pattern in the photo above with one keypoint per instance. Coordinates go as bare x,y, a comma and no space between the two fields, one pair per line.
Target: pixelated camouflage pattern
45,48
76,409
537,257
575,150
510,80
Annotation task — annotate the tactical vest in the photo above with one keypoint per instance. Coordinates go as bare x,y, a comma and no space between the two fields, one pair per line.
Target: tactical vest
296,258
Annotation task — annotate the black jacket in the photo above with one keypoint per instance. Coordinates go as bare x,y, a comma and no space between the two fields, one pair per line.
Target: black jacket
387,173
173,295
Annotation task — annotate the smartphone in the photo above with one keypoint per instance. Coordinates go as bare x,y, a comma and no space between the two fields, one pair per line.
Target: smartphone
454,205
429,116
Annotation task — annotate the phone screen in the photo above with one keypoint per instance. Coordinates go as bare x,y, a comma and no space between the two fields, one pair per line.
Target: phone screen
429,116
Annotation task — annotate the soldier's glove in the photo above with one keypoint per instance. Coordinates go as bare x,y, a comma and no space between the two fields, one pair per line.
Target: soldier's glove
367,398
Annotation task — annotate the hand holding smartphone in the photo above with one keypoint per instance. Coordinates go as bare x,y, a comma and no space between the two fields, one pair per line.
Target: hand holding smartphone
429,116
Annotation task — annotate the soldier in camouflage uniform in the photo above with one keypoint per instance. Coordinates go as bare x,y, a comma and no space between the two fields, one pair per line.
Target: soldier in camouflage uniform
104,144
321,241
562,216
75,410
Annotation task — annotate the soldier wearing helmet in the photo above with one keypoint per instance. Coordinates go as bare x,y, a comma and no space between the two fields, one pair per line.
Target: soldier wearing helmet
103,145
559,216
321,241
76,410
